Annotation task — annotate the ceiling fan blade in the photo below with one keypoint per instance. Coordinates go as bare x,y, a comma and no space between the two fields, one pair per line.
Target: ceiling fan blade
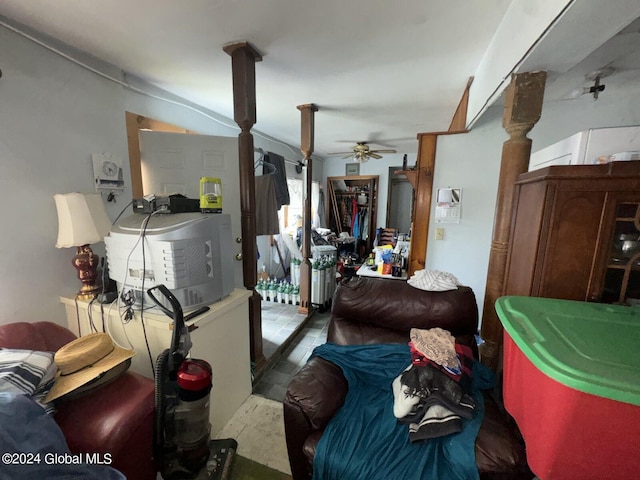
341,153
348,156
383,151
374,155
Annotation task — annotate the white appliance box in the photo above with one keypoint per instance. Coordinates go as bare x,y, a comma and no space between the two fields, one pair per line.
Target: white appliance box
587,146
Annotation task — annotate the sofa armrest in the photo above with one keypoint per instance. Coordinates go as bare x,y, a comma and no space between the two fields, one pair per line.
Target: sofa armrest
319,389
313,397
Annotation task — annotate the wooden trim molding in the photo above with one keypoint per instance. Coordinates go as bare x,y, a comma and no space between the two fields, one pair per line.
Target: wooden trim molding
134,124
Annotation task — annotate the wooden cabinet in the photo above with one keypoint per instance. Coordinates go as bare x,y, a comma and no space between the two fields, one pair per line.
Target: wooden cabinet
352,206
567,228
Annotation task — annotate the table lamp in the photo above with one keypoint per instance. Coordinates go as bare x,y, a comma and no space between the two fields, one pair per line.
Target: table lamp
82,219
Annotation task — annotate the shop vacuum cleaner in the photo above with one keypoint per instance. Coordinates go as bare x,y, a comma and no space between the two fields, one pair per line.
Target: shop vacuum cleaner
183,449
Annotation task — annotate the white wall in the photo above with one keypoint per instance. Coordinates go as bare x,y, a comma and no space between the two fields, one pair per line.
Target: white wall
472,161
55,114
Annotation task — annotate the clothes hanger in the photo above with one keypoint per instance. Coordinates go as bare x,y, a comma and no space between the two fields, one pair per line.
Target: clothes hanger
270,168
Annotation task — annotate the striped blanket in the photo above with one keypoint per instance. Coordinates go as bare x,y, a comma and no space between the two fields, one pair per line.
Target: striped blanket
27,372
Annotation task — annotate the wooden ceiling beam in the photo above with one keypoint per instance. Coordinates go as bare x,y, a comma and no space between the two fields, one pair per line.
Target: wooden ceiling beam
459,120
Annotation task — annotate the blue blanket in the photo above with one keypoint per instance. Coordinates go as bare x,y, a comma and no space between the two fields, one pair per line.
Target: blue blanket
33,446
364,439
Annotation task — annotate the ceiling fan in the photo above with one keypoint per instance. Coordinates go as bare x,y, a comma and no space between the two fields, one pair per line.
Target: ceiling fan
361,152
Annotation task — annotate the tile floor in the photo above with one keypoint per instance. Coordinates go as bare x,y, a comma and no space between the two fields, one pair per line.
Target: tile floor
258,428
278,322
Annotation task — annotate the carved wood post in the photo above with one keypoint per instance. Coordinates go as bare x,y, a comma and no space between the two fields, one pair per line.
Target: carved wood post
423,186
523,106
243,59
306,147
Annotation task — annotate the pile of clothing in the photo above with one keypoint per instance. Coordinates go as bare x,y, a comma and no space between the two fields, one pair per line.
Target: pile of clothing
433,394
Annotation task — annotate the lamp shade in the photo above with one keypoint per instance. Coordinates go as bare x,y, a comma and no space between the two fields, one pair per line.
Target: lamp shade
82,219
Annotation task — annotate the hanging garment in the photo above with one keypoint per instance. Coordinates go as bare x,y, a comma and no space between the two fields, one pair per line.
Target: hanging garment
362,215
365,225
282,189
345,218
354,217
266,206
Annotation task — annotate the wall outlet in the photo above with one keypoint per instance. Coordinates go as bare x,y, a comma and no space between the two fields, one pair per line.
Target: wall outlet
439,233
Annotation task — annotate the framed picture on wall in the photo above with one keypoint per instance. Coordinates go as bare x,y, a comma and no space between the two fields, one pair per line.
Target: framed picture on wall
351,169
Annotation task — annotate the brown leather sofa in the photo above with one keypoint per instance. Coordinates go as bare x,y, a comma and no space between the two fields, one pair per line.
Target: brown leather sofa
116,418
371,311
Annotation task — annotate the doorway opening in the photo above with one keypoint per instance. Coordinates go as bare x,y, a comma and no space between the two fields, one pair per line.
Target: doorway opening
137,125
400,202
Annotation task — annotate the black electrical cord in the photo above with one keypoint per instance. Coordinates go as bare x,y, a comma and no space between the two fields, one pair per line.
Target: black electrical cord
144,270
120,214
92,327
102,264
102,316
78,316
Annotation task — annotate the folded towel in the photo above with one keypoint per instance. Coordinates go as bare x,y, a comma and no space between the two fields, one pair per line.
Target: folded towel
433,280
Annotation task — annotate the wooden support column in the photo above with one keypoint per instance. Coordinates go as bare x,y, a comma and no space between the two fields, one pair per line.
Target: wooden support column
422,181
306,147
243,59
523,106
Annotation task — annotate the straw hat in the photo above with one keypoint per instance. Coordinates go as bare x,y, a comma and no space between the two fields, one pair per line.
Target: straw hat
85,362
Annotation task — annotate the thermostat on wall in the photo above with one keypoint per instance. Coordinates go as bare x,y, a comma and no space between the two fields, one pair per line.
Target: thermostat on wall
107,171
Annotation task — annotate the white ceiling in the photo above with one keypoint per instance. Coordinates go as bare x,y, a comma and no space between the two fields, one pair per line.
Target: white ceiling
379,71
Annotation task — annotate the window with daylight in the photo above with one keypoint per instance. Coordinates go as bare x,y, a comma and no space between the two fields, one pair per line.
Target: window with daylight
291,215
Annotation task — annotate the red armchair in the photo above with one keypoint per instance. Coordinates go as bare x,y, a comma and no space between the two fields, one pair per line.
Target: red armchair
116,418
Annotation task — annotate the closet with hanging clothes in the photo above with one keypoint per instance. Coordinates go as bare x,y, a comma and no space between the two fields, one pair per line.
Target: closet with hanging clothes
351,209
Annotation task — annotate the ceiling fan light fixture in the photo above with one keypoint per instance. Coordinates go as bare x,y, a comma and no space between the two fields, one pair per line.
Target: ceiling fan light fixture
360,157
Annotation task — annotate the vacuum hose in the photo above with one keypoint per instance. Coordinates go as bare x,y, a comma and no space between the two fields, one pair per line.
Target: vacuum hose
161,372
